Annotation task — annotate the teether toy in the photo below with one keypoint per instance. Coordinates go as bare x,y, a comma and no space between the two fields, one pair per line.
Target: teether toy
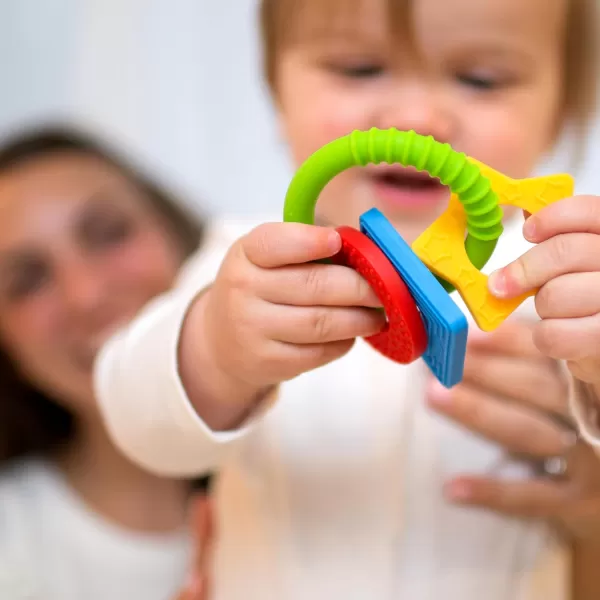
414,283
404,338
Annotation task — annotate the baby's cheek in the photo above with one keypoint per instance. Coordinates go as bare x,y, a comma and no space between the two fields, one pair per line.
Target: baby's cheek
503,142
343,117
313,134
331,114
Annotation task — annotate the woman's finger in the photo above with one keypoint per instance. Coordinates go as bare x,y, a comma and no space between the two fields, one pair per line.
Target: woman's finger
518,428
202,526
513,338
195,589
534,498
537,384
203,529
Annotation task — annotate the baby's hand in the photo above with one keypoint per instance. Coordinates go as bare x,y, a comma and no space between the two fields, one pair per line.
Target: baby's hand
272,314
565,265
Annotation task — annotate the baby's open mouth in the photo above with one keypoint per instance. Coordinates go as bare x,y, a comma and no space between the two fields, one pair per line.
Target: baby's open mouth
405,187
406,178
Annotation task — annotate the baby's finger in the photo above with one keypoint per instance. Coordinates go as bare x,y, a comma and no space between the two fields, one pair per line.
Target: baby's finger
568,253
318,285
282,361
278,244
568,339
579,214
516,427
320,325
569,296
534,498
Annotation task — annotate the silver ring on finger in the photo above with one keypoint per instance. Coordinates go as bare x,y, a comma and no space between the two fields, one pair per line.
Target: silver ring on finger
557,467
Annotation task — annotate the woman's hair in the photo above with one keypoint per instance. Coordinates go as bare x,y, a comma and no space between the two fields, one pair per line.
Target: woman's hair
280,22
30,422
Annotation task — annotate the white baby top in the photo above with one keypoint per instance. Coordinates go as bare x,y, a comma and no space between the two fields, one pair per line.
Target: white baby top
336,490
53,547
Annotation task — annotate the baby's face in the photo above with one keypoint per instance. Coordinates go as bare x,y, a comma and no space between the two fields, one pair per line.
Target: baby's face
483,76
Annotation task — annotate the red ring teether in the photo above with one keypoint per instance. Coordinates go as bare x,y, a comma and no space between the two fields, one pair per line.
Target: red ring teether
404,338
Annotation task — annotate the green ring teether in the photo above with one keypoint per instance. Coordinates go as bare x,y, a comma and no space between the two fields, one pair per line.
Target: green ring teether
452,168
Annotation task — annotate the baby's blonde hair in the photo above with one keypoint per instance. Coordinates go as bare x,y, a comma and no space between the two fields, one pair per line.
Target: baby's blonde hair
279,24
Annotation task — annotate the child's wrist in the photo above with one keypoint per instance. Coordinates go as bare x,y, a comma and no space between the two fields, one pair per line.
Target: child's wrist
222,401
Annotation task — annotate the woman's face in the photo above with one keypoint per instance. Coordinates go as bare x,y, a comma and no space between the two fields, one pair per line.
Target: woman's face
81,251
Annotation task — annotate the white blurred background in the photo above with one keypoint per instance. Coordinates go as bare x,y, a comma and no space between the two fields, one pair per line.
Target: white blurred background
177,82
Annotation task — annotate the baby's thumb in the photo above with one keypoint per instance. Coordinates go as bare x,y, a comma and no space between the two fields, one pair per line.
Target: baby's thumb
279,244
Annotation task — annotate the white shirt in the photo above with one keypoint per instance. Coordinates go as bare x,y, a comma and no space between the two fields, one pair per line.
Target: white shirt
54,547
336,490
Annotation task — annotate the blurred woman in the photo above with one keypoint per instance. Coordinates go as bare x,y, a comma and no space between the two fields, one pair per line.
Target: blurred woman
85,242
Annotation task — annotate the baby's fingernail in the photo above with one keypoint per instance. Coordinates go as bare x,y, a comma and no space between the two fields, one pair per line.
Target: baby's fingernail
373,301
510,281
529,229
438,394
334,241
497,283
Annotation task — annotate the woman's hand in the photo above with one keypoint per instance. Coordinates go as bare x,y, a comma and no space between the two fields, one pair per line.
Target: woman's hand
198,586
517,397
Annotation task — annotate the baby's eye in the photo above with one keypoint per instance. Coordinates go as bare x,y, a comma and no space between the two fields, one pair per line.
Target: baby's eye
358,71
478,81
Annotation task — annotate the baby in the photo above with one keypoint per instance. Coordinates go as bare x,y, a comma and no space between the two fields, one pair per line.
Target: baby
342,474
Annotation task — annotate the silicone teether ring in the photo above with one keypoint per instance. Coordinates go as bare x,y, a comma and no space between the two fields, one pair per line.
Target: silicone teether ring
453,169
404,338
